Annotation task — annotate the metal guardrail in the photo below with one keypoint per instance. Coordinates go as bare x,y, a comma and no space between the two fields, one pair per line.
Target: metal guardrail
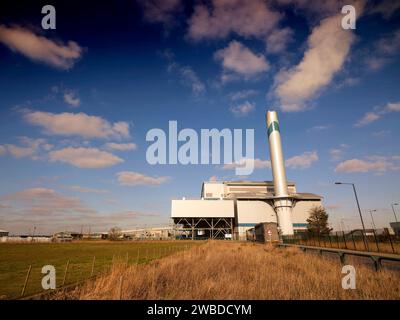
376,240
342,253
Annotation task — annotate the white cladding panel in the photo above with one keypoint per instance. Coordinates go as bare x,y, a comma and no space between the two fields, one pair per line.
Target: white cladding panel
301,210
255,212
213,190
202,208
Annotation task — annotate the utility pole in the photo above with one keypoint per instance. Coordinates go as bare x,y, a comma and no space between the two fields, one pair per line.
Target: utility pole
394,212
372,218
359,211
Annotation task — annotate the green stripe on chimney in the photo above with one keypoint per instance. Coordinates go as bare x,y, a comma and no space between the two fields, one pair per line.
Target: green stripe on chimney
274,126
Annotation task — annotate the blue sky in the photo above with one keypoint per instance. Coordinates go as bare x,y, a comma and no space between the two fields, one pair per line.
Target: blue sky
76,104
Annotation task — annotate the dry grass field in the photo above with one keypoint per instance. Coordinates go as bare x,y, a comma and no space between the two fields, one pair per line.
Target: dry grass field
222,270
15,259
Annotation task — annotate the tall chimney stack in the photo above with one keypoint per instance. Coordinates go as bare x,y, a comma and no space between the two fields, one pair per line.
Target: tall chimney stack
282,202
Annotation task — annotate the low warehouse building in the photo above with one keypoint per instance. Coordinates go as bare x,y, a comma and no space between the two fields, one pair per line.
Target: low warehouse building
154,233
4,233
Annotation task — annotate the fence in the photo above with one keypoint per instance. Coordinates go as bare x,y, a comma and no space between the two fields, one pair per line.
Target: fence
373,240
26,280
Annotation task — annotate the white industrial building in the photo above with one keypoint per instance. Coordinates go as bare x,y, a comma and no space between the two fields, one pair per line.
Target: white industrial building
227,209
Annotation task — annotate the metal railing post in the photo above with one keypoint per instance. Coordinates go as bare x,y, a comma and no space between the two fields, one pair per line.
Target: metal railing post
354,242
391,243
65,273
94,260
337,241
344,239
376,240
26,280
319,241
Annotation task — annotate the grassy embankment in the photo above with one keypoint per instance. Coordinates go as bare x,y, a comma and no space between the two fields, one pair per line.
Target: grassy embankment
224,270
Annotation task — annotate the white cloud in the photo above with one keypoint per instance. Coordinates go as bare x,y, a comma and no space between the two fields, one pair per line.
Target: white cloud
367,118
348,82
52,211
338,153
393,107
28,148
389,45
320,128
78,124
72,99
243,94
327,49
385,8
381,133
247,18
44,201
239,60
87,190
4,206
378,113
189,77
261,164
39,48
375,63
315,8
130,178
247,162
243,109
85,157
121,129
19,152
302,161
278,40
332,206
384,51
121,146
377,164
160,11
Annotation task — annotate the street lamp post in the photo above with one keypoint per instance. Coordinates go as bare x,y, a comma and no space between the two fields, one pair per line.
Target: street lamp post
359,211
342,225
372,218
394,212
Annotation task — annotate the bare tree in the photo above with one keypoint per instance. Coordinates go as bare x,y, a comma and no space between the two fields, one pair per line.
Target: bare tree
114,233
